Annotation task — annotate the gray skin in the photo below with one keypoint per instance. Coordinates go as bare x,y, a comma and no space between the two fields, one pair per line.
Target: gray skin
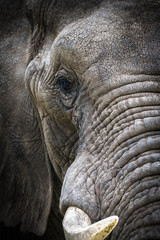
80,110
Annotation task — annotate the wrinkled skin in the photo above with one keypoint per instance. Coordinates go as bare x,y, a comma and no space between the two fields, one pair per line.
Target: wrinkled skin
80,110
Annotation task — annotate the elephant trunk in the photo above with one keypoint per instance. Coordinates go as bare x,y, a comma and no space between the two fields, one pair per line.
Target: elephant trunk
117,168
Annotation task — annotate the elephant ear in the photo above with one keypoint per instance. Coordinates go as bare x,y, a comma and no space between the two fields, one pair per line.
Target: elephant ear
25,178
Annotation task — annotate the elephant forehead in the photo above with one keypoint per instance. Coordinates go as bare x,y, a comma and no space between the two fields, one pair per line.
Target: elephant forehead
86,39
107,36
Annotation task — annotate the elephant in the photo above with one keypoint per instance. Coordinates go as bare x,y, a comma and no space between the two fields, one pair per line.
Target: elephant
80,119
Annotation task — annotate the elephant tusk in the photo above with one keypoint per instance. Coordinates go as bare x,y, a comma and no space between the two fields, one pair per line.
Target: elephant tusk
77,226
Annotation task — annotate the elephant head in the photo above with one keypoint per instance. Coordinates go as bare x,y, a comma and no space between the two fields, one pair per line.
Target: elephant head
95,88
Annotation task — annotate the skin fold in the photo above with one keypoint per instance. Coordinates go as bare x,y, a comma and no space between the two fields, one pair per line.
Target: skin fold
80,116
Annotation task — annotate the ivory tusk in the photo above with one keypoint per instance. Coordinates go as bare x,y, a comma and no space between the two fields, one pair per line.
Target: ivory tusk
77,226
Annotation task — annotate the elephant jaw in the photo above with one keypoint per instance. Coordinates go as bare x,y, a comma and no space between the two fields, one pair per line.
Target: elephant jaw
77,226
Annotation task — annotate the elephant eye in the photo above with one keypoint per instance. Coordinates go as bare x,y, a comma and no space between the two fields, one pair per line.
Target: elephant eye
64,84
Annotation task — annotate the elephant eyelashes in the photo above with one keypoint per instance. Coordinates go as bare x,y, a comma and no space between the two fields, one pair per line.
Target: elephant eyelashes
64,84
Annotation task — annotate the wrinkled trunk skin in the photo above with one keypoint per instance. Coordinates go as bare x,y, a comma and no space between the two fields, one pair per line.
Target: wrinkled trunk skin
117,169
